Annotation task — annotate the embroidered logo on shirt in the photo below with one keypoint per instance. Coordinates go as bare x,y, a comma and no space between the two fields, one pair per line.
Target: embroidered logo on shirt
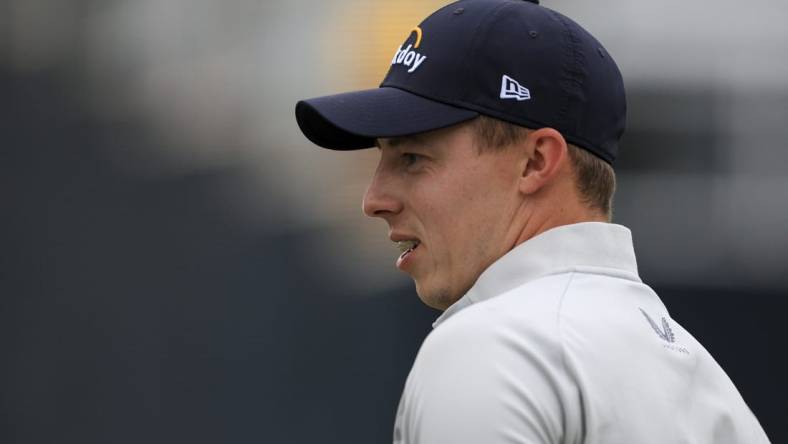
665,333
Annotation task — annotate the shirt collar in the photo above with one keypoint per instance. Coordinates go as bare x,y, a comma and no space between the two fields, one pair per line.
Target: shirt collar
592,247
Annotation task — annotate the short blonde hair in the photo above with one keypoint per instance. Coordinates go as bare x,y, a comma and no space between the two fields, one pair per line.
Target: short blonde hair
594,178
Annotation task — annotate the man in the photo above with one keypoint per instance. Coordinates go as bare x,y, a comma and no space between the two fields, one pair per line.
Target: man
497,126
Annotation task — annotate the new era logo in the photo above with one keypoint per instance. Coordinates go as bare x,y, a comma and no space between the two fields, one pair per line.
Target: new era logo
511,89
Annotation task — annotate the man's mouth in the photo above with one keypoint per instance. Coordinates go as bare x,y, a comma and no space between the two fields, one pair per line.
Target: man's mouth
406,247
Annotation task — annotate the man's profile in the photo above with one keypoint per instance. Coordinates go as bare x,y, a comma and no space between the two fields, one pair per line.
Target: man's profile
497,125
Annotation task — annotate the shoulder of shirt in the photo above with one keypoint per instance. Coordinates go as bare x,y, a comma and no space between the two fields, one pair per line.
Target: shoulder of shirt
540,296
536,313
528,314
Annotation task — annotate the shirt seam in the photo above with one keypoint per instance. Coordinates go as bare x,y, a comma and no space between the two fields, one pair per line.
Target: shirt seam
563,351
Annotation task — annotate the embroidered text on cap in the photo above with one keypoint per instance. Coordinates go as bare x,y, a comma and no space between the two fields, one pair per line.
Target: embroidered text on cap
408,56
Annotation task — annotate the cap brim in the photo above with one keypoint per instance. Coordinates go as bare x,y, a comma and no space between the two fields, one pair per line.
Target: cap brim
353,120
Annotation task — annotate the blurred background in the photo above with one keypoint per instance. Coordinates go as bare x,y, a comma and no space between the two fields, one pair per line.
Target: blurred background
179,264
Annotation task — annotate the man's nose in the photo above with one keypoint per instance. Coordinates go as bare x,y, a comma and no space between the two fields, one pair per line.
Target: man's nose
380,199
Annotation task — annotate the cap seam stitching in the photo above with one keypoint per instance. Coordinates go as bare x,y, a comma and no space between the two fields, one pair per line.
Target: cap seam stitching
580,141
475,41
435,98
569,53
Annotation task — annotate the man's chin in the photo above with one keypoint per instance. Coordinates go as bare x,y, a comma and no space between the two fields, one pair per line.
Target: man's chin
437,298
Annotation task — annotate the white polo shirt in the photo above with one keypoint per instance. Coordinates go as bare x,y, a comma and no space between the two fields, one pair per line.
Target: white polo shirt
559,341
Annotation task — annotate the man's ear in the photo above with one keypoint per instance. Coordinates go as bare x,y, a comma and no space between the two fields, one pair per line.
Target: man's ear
547,155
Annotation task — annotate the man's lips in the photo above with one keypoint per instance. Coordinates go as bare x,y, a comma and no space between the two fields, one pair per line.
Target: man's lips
406,257
406,244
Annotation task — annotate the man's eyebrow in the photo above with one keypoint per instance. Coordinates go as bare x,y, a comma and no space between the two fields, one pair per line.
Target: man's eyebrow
394,142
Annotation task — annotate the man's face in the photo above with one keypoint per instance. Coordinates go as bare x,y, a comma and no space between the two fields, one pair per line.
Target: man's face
459,205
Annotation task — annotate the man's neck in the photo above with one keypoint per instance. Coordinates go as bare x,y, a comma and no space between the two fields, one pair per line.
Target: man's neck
556,217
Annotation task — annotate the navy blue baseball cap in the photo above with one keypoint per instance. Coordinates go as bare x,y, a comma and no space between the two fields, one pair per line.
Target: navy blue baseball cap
513,60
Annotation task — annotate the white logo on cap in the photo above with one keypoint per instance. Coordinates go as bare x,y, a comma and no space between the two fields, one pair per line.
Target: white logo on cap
511,89
409,57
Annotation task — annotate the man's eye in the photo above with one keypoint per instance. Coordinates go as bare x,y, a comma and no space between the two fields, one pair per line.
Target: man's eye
410,158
